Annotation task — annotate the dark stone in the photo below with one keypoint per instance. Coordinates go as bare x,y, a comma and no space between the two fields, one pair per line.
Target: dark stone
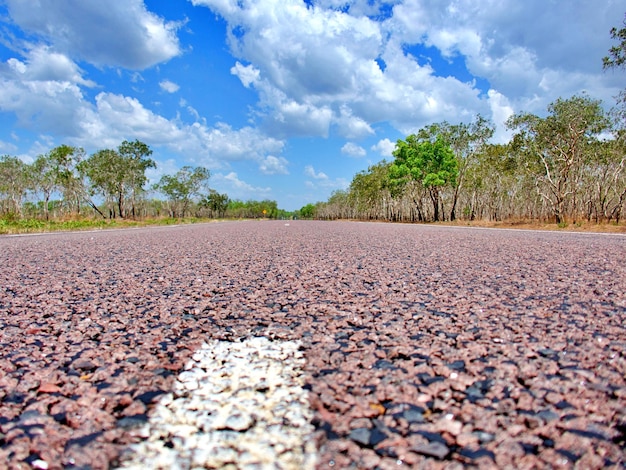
367,437
84,365
133,421
432,449
457,365
148,397
474,454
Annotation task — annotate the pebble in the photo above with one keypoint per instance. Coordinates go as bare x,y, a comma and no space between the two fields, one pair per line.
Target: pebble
236,405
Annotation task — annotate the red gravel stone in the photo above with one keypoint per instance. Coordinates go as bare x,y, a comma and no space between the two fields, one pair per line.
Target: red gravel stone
441,347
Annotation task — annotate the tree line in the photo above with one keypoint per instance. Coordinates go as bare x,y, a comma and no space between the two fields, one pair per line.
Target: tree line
570,165
111,183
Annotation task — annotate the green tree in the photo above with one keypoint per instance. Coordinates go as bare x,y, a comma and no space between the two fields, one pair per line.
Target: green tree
14,182
216,203
556,148
617,54
119,175
135,156
430,163
182,187
307,211
369,191
466,141
54,172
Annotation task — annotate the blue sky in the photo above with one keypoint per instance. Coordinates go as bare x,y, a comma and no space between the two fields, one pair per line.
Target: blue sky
286,99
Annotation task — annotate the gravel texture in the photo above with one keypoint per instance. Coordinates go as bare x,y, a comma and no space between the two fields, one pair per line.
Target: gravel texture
428,347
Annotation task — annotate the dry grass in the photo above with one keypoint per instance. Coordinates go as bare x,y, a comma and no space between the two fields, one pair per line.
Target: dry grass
577,226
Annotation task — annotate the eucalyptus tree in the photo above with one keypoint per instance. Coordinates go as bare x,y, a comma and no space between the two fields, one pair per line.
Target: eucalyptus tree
617,53
466,141
605,181
215,202
55,172
135,156
14,183
119,175
182,187
369,192
556,148
427,161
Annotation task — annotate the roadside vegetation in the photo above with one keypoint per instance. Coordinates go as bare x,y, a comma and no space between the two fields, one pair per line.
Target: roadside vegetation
66,190
568,168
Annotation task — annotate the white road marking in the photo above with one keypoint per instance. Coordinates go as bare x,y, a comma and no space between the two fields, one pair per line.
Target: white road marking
236,405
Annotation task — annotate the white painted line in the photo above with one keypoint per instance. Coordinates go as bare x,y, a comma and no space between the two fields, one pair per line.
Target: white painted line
236,405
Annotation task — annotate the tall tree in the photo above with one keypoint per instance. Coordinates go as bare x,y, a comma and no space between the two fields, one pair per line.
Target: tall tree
430,163
617,54
466,141
14,182
135,156
216,203
182,187
556,147
54,172
119,175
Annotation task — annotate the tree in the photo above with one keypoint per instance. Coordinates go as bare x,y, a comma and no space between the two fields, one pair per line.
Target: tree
135,155
369,191
181,187
216,203
307,211
466,141
43,178
119,175
617,54
556,147
430,163
13,184
54,172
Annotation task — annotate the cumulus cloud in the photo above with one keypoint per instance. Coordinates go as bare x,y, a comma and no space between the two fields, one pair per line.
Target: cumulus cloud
321,181
384,147
310,172
353,150
236,188
271,165
347,65
112,33
168,86
42,64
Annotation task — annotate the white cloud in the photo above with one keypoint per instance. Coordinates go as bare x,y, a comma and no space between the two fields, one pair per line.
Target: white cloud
310,171
112,33
231,184
321,181
44,65
501,110
318,67
169,86
384,147
272,165
247,74
353,150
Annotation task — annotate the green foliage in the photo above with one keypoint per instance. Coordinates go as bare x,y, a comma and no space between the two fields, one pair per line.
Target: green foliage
14,181
430,163
181,187
307,211
252,209
617,54
557,148
119,175
216,203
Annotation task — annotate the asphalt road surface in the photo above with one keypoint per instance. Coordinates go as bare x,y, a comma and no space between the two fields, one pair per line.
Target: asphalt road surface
423,346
